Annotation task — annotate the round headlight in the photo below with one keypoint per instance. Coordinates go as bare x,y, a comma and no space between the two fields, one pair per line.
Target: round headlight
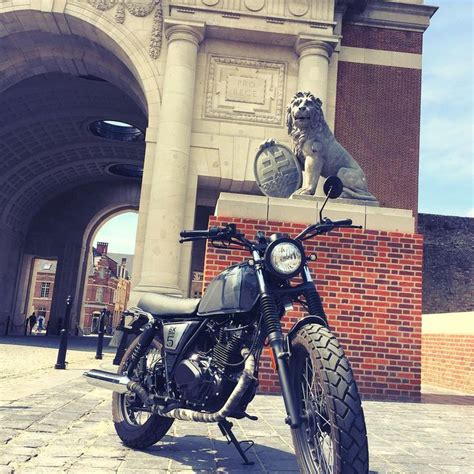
285,258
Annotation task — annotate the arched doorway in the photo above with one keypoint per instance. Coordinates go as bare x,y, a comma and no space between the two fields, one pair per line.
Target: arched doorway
73,116
106,270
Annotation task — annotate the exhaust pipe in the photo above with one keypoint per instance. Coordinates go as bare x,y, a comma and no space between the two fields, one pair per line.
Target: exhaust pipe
122,384
115,382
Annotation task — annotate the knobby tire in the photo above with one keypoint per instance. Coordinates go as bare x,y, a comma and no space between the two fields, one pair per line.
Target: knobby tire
333,437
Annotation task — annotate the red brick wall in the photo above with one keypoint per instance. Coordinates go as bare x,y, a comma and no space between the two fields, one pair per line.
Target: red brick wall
378,114
370,282
378,122
367,37
447,361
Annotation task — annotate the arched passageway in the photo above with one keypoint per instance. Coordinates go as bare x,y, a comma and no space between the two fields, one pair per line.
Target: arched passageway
62,168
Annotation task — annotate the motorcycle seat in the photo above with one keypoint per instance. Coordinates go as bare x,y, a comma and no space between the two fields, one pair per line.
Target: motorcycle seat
166,306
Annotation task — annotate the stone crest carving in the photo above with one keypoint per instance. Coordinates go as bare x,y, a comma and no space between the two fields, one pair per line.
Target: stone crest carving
298,7
277,171
318,151
139,8
245,90
254,5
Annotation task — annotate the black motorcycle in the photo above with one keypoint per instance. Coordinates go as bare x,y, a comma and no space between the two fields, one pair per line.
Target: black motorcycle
197,359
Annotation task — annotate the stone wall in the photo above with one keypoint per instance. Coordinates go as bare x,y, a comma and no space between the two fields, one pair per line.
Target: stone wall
370,282
447,263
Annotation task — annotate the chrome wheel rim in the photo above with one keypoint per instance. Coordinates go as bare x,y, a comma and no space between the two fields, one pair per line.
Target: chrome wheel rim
315,433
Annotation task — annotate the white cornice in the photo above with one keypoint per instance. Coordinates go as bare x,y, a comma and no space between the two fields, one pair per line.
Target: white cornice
395,15
380,57
250,26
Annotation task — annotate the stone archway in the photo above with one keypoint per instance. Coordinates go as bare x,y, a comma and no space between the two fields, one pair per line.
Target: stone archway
100,219
60,72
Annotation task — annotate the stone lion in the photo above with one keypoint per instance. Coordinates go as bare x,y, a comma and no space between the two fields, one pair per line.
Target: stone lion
318,151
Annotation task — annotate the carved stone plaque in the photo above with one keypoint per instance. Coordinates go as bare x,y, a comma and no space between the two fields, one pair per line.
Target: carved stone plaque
245,90
277,171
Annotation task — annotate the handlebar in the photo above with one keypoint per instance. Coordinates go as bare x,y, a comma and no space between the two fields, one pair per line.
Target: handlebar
341,222
229,233
212,232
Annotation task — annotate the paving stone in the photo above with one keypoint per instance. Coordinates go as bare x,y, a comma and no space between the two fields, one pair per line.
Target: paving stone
71,431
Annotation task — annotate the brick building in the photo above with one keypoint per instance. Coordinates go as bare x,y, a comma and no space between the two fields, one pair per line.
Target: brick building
41,288
107,287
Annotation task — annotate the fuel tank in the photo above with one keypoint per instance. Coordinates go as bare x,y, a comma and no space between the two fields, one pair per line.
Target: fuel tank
235,290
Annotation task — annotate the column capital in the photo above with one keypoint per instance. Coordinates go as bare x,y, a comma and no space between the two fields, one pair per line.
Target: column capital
185,31
315,45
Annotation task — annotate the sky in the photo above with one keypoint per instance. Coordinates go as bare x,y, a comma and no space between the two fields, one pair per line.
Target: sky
446,155
446,148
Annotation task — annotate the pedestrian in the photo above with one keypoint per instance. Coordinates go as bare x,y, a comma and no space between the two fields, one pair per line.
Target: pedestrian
32,321
40,323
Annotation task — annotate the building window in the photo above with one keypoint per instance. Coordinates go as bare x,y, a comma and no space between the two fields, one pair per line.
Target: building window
45,287
41,311
100,294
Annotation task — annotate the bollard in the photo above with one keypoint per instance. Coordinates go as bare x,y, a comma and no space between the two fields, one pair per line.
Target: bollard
100,339
61,361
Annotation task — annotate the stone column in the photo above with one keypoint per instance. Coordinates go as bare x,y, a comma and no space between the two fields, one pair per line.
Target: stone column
11,247
314,54
65,283
166,208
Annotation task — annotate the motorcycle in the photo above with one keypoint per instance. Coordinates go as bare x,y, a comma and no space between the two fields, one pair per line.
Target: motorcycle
197,359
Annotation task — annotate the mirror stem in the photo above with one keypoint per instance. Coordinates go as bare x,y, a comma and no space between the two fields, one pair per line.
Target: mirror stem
324,204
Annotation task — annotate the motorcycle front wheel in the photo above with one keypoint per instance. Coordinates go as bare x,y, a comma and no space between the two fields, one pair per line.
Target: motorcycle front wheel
332,437
136,427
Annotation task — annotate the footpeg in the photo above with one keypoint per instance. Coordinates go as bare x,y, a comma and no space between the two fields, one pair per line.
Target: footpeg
251,417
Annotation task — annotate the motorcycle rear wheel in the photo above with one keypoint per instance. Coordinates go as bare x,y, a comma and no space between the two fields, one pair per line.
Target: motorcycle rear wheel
333,437
138,429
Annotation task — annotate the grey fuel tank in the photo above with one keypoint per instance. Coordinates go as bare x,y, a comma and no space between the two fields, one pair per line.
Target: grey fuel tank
235,290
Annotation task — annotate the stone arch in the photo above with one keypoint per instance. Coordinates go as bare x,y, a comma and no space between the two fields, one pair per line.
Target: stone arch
86,36
63,66
109,212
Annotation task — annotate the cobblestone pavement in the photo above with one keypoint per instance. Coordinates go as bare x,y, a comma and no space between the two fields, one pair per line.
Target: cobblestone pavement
53,421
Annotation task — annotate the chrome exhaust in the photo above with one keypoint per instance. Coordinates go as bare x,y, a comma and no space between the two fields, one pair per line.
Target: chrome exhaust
115,382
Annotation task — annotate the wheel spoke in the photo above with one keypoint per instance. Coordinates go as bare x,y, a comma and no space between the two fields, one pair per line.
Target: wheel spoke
317,432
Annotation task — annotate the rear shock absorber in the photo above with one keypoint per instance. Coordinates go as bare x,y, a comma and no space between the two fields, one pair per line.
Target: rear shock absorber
145,340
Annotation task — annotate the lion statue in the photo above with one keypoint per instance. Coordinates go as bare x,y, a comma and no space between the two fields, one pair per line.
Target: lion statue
318,151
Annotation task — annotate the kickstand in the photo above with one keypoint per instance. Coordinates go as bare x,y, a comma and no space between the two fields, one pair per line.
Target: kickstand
226,428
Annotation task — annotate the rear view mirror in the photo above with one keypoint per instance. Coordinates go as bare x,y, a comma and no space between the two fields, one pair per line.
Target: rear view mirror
333,187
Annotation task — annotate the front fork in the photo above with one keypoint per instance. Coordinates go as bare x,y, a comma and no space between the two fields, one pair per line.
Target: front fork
277,343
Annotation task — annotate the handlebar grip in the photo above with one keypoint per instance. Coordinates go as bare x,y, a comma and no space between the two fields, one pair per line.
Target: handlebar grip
199,233
342,222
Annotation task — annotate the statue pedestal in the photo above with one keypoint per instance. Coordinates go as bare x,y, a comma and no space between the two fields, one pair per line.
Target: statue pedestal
305,210
321,199
369,280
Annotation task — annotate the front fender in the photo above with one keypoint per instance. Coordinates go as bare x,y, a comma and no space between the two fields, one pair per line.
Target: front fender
310,319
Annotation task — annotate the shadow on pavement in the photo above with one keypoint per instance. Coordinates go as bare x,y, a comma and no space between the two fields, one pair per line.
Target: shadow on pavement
195,453
76,343
447,399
